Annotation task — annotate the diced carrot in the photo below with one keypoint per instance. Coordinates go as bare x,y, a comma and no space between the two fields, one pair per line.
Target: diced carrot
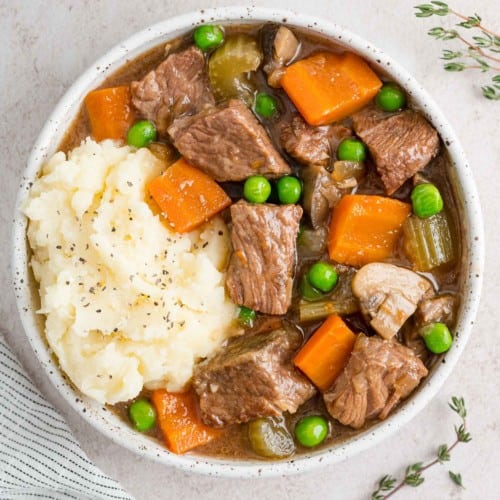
365,228
187,196
110,112
326,353
328,87
179,422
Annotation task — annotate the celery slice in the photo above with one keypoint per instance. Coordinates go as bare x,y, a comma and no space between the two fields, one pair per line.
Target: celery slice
428,243
230,65
314,311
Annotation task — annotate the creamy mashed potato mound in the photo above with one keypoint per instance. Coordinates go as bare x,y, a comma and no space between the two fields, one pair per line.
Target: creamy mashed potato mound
128,303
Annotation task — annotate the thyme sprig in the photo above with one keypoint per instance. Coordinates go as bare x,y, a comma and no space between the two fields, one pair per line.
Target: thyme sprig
388,485
480,51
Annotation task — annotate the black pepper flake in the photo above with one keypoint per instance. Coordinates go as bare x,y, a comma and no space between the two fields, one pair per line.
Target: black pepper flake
59,247
129,184
205,244
98,310
115,329
182,323
221,233
82,260
87,304
113,229
155,303
67,282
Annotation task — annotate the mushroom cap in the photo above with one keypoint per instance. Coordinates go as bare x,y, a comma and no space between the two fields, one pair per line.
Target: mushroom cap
389,295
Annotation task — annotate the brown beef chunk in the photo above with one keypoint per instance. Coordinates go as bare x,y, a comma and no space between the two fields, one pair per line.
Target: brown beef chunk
228,143
401,144
312,145
264,248
379,374
179,85
253,376
439,309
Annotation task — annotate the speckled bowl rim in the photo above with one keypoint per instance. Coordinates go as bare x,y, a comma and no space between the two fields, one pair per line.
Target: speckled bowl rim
110,425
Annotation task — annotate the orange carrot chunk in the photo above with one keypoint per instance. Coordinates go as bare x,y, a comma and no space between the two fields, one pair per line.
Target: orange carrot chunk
187,196
326,353
365,228
110,112
328,87
179,422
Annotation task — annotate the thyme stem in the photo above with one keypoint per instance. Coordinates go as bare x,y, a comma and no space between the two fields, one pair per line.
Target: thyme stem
479,26
413,475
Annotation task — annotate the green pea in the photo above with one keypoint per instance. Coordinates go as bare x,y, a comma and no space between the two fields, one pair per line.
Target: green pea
141,134
142,414
391,97
311,431
323,276
208,37
289,189
265,105
307,291
426,200
247,316
437,337
257,189
351,150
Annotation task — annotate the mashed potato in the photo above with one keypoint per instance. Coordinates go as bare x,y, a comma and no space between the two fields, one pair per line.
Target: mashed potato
127,302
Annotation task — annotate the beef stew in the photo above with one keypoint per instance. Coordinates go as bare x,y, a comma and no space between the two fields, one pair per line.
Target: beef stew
395,272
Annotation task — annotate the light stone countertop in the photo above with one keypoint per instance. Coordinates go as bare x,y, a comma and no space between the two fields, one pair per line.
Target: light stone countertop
45,45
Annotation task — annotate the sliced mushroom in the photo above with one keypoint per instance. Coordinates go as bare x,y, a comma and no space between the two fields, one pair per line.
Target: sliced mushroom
320,194
389,295
285,48
286,45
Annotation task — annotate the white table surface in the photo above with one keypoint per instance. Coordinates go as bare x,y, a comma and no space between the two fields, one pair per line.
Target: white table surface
45,45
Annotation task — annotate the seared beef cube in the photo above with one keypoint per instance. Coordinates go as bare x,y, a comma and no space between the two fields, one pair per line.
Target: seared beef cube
179,85
228,143
320,194
401,144
263,259
253,376
378,375
312,145
440,309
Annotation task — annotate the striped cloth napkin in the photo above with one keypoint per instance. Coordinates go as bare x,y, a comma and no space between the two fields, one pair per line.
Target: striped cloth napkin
39,457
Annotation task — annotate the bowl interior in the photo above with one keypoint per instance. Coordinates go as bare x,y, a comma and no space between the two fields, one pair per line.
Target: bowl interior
52,134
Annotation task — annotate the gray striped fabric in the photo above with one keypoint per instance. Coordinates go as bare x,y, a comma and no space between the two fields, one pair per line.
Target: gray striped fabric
39,457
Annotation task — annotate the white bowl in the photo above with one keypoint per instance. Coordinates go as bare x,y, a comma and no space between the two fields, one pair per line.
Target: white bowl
51,135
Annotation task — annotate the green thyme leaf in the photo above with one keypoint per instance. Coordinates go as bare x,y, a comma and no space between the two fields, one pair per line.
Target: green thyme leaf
441,34
456,478
471,22
414,479
458,406
490,93
483,41
443,453
454,66
433,9
449,54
